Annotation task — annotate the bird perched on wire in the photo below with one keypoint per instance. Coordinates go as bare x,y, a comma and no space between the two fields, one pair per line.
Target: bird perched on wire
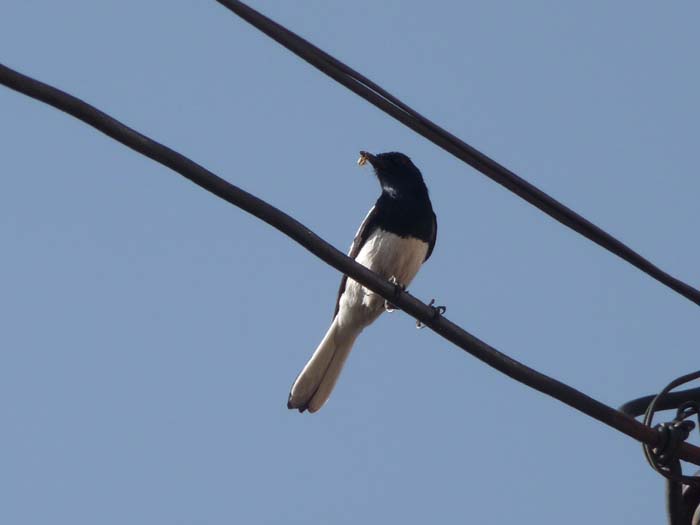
394,240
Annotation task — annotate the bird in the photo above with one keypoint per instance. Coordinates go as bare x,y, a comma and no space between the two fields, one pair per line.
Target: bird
396,237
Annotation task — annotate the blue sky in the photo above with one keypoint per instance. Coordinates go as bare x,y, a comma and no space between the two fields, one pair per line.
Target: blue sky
151,331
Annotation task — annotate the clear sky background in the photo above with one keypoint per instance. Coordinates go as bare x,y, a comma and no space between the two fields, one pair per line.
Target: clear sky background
150,331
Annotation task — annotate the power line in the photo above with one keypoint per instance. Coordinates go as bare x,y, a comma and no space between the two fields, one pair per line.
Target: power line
638,406
376,95
313,243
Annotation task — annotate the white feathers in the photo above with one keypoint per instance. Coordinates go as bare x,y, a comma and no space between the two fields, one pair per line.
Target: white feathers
316,381
390,256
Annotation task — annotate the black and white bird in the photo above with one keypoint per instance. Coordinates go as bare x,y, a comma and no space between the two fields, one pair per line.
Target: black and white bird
394,240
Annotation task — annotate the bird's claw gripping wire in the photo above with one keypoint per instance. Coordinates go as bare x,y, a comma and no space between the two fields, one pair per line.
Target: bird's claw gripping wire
398,288
437,312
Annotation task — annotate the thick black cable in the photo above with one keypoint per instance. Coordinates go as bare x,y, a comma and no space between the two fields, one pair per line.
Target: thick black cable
385,101
638,406
691,499
677,511
312,242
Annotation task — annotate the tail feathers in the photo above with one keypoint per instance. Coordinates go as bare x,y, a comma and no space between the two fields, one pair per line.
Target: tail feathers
314,385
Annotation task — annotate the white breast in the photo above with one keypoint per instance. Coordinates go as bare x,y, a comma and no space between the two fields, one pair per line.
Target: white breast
392,256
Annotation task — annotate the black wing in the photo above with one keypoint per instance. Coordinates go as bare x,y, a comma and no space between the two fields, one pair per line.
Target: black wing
433,238
366,228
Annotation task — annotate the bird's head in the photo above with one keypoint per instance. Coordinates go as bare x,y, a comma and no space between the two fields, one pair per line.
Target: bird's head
397,175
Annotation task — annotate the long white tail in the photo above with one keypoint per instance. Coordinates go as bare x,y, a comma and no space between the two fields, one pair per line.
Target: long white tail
314,385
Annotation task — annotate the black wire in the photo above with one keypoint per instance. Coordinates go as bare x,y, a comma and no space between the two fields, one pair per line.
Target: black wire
652,408
652,456
385,101
638,406
691,500
312,242
676,509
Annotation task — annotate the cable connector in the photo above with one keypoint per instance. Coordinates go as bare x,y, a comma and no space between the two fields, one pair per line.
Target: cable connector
671,435
663,457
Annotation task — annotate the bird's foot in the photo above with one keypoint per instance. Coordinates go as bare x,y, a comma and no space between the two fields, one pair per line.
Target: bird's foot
437,312
399,287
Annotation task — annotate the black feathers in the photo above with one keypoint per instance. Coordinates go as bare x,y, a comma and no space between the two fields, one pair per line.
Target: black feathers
404,206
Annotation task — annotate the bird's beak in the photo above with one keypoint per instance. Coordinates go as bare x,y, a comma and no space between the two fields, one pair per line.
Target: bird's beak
366,157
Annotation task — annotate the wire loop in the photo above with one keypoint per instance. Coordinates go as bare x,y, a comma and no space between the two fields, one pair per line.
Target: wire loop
663,457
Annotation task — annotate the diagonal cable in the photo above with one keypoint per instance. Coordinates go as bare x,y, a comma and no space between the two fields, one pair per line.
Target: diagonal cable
324,251
388,103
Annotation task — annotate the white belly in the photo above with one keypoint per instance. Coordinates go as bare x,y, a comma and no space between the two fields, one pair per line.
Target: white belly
390,256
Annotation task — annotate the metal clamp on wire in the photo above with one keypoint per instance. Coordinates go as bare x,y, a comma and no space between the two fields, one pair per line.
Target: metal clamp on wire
663,457
682,492
671,435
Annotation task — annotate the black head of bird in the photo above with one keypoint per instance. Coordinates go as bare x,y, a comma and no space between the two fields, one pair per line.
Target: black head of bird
397,175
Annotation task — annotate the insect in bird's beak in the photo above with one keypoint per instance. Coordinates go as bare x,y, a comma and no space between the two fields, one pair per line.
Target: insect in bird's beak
365,158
